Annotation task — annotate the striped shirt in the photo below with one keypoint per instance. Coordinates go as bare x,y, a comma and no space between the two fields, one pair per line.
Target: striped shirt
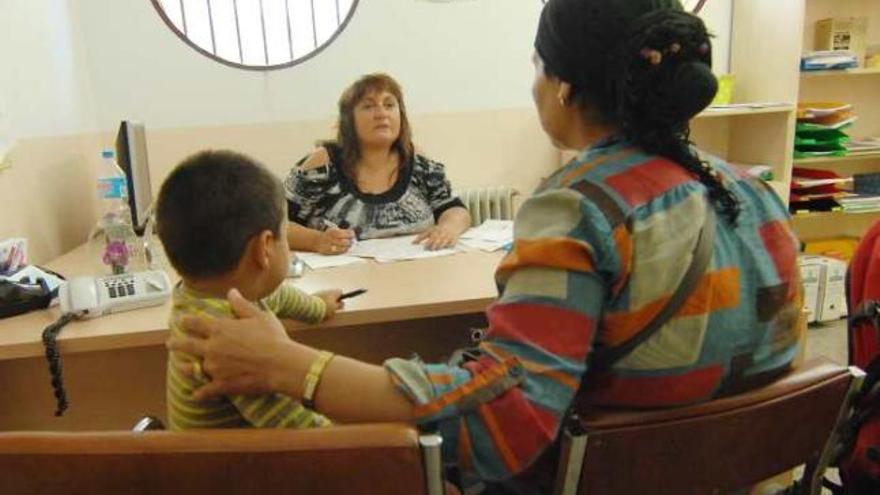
598,251
238,411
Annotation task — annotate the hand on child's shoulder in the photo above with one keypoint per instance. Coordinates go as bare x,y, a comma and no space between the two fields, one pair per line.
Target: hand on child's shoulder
331,299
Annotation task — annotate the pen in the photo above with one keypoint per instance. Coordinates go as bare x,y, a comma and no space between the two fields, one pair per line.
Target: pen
356,292
330,225
343,225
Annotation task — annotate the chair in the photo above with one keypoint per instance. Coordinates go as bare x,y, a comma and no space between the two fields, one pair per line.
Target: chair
716,447
367,459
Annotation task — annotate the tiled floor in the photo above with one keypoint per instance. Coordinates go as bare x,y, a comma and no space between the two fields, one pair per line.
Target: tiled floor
828,340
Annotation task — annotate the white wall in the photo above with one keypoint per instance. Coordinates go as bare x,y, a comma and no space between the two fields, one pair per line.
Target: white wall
717,15
44,84
450,57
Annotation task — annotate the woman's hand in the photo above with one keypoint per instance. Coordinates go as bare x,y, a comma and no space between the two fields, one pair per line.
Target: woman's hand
240,356
438,237
331,299
334,241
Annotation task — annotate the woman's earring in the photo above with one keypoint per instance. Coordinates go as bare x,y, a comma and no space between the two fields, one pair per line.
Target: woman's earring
562,101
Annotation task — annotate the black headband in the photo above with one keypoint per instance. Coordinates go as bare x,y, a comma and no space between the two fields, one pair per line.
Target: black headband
558,54
573,43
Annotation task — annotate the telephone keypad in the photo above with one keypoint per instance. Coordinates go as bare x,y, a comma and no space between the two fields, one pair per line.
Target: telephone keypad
119,287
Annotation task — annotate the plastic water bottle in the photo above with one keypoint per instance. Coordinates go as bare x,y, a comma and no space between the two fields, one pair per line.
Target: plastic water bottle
117,244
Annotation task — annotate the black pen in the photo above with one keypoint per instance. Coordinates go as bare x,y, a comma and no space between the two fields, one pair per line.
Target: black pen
356,292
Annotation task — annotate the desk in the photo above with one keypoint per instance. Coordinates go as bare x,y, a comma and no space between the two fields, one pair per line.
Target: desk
114,366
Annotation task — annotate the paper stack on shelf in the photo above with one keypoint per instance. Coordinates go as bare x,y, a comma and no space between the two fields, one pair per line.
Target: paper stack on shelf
863,145
860,203
829,60
815,190
820,129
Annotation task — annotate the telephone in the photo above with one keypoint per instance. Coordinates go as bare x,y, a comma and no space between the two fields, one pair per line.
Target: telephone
91,297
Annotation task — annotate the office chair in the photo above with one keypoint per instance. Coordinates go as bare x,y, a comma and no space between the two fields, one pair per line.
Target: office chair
363,459
717,447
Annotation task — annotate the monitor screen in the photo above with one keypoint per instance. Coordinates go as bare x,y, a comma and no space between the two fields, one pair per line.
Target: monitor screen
131,154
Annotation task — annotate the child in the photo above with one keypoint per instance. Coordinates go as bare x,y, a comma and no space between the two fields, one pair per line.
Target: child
222,220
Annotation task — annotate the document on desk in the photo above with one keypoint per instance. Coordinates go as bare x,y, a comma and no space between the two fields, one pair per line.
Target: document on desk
317,261
491,235
395,249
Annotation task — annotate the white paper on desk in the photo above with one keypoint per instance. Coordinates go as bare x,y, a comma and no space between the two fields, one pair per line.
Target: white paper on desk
491,230
395,249
483,245
317,261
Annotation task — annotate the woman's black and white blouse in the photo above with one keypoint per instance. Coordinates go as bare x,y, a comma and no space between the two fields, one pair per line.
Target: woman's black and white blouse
413,204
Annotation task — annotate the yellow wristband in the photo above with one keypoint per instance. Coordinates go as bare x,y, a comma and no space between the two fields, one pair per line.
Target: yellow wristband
313,377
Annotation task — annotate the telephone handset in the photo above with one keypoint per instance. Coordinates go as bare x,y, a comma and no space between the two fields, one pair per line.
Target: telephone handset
90,297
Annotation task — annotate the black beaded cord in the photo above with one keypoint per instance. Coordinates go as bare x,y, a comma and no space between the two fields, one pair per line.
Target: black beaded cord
53,357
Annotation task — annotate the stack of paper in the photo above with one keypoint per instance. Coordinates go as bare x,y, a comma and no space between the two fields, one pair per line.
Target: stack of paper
317,261
858,203
820,129
491,235
395,249
829,60
815,190
864,145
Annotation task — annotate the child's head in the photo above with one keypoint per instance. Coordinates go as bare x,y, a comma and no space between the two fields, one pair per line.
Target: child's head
221,213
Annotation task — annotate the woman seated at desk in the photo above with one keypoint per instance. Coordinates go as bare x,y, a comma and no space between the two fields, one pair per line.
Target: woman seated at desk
369,182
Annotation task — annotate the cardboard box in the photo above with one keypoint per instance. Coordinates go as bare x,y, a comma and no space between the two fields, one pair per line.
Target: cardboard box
843,33
829,300
811,278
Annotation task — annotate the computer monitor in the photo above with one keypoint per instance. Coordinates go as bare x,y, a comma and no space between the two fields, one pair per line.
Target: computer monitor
131,154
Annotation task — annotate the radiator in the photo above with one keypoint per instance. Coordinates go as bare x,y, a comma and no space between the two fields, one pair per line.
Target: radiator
494,202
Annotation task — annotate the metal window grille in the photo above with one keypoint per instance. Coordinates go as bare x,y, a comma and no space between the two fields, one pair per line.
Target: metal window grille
257,34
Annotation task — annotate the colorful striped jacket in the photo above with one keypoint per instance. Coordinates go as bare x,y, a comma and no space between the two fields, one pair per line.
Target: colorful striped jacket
598,250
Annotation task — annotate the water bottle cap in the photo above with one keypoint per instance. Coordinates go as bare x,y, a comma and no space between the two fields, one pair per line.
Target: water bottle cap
107,154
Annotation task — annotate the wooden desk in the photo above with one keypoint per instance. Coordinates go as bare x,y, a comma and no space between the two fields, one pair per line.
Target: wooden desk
114,366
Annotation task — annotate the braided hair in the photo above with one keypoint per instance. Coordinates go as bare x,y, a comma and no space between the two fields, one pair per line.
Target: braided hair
643,66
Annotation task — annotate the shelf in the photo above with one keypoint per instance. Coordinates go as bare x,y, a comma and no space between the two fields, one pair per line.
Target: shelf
838,159
781,189
831,215
839,73
781,108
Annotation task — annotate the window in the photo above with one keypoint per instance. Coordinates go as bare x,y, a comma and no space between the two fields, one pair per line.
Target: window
257,34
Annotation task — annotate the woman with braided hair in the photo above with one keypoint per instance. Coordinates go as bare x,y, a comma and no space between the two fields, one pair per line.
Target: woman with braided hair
643,273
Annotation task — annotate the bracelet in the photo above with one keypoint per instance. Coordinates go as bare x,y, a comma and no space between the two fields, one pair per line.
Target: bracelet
313,377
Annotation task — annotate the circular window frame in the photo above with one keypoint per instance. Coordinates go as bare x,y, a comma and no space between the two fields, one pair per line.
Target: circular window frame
257,68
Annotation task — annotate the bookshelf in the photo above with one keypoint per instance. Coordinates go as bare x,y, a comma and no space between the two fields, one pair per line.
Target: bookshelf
873,71
856,86
761,131
855,157
755,109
